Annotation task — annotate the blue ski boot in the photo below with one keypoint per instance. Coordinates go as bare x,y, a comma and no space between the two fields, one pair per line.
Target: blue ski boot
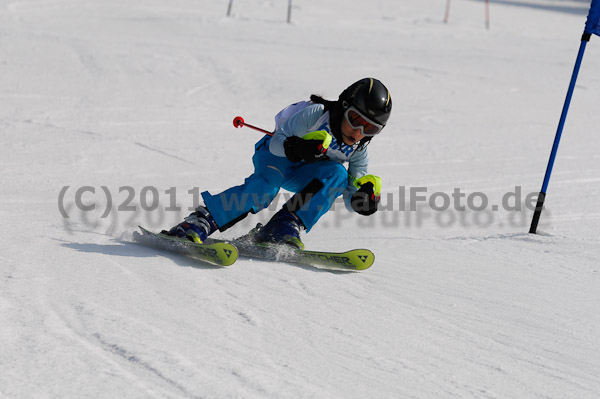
196,227
283,228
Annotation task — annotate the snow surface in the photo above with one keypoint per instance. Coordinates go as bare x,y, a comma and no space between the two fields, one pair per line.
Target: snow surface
141,93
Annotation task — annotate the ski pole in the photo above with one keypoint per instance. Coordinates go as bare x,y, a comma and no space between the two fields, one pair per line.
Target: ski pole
447,13
238,122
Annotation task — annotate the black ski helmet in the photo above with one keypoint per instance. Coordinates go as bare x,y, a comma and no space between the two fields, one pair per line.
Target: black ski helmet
370,97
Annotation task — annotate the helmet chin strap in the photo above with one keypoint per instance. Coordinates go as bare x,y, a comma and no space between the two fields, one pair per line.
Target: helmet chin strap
348,137
364,142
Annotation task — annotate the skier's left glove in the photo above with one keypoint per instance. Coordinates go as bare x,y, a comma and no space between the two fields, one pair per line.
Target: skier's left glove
365,200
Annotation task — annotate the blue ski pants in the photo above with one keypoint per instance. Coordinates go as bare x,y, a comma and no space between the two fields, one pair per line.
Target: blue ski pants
271,173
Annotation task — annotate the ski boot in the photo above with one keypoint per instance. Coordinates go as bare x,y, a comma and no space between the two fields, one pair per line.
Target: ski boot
283,228
196,227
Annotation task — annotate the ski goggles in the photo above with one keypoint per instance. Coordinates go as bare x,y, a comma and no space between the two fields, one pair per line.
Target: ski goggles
358,121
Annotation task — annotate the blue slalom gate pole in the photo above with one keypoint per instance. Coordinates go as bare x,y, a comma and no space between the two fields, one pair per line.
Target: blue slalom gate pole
542,196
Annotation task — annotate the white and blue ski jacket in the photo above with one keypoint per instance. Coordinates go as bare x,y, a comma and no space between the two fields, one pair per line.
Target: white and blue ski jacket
304,117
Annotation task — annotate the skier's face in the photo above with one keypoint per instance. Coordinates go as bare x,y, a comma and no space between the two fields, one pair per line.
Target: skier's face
349,134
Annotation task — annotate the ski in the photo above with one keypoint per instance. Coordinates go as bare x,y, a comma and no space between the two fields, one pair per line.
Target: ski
217,253
355,259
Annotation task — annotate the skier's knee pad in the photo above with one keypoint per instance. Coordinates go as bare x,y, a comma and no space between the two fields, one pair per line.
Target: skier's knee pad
272,176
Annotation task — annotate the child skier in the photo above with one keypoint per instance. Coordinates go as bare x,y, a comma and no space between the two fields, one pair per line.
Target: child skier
302,157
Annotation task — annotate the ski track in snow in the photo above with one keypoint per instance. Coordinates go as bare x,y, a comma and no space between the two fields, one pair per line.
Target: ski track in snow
142,95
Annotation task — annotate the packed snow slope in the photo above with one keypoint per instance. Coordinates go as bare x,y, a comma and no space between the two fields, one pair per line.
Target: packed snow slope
135,99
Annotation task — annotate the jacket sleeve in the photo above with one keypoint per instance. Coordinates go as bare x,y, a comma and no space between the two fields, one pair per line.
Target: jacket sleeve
357,168
297,125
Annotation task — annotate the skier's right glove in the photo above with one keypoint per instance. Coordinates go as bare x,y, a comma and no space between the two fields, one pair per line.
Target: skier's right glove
309,148
365,200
